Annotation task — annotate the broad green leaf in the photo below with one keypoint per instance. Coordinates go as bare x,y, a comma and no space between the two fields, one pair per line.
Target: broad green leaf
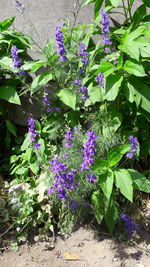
124,182
6,63
98,205
34,167
106,183
26,143
112,124
22,170
111,217
96,94
132,95
100,163
33,66
139,14
40,81
143,91
115,3
106,68
5,24
113,84
97,6
133,67
87,2
116,154
128,44
139,181
9,94
27,155
146,2
68,97
11,127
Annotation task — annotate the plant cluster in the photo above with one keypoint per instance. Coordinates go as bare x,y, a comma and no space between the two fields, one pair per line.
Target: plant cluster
91,147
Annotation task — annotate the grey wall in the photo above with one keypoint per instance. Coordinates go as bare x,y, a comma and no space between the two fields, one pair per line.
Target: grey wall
43,15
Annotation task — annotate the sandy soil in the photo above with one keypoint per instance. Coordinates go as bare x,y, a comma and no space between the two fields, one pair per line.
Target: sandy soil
83,248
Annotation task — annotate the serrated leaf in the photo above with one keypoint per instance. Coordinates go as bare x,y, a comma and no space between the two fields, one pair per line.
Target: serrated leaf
9,94
139,181
124,182
68,97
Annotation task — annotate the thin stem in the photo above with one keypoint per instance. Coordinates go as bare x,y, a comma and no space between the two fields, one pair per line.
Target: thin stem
75,17
125,12
129,10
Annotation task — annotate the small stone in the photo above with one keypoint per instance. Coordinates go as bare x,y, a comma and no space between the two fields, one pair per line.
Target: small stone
115,259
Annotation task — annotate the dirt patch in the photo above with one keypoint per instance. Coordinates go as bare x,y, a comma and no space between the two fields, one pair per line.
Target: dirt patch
85,249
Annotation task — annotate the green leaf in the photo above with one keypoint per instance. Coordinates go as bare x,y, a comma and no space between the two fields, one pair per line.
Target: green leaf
139,181
9,93
6,63
33,66
87,2
115,3
146,2
112,124
26,143
113,83
40,81
139,14
96,94
106,68
106,183
11,127
97,6
111,217
98,205
34,167
100,163
143,91
116,154
5,24
132,95
68,97
124,182
128,43
133,67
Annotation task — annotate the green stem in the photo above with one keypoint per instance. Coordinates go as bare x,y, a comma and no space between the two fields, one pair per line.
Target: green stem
129,10
125,12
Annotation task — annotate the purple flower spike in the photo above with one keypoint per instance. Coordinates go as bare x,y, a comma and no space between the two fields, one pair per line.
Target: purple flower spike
15,59
105,28
100,79
134,146
33,133
91,177
77,82
19,6
64,179
89,151
60,44
84,54
68,138
130,226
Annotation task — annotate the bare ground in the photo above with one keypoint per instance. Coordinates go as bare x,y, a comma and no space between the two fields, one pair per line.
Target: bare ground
83,248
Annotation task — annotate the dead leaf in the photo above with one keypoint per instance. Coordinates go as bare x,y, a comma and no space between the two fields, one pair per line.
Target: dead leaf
71,257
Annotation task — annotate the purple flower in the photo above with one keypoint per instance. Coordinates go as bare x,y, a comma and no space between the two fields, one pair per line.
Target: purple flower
84,54
81,71
57,109
73,204
130,226
33,133
91,177
100,79
37,146
47,102
15,59
105,28
84,92
64,180
60,44
68,138
77,82
89,151
134,146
